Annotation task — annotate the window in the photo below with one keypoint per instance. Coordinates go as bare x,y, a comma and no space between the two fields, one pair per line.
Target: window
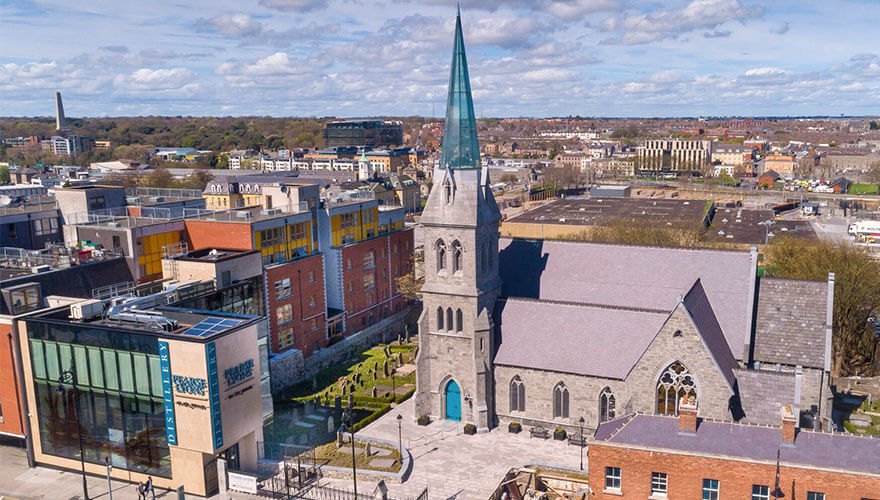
312,301
284,314
369,281
285,337
458,320
675,383
311,276
560,401
96,203
12,233
658,483
271,237
350,289
25,299
370,260
282,288
348,264
449,323
517,394
314,324
456,256
368,216
298,231
710,489
116,242
760,492
439,318
440,250
607,405
812,495
347,220
612,478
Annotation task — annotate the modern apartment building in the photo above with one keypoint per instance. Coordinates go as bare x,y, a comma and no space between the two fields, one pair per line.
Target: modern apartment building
363,133
675,156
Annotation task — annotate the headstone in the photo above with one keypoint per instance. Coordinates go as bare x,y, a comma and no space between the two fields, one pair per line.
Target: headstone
374,391
369,450
385,368
374,376
314,383
294,414
400,358
317,401
350,400
381,491
337,402
330,424
399,339
310,407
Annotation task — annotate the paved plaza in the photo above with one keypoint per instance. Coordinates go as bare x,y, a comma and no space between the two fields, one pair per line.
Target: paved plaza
451,464
456,466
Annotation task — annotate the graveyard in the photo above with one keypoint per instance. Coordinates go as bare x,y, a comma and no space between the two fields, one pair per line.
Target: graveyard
369,384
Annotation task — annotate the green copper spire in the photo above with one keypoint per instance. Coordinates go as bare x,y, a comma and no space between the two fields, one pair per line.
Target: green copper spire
460,146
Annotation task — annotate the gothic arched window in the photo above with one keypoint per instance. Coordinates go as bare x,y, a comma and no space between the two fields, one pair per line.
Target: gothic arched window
440,250
449,324
439,318
458,320
456,256
607,405
675,383
560,401
517,394
447,188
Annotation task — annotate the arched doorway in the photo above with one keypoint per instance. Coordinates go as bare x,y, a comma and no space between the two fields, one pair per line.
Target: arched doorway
453,401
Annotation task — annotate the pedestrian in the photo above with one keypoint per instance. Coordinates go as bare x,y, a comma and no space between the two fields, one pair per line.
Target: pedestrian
149,488
142,491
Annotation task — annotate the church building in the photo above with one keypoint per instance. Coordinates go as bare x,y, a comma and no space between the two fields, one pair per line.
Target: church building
546,333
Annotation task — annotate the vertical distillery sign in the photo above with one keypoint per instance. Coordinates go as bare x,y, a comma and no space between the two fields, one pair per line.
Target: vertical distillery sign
214,394
167,395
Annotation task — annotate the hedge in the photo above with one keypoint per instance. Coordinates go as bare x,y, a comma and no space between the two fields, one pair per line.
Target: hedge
371,418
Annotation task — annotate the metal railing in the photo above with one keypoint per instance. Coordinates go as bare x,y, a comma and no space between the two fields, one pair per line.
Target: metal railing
151,192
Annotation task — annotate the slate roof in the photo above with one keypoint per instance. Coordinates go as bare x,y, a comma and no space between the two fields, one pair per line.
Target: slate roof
790,324
631,276
697,304
762,393
816,449
574,338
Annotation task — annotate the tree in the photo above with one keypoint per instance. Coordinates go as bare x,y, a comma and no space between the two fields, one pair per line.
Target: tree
857,279
197,179
873,125
159,178
4,174
410,284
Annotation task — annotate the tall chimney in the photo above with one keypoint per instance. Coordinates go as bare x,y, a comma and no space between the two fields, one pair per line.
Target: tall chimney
789,425
687,415
60,123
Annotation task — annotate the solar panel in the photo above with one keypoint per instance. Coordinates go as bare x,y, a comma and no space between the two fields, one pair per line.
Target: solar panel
210,326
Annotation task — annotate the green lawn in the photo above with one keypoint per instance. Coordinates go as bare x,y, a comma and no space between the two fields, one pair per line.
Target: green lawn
858,188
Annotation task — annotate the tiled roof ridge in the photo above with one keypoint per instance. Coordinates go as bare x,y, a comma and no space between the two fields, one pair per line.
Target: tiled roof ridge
631,245
623,422
765,372
585,304
802,280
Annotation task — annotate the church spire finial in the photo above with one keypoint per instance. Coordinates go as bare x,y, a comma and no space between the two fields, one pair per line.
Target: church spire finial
460,146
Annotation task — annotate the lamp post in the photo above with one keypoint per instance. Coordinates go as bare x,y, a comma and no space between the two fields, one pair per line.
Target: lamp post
109,484
777,491
346,419
69,377
400,435
581,444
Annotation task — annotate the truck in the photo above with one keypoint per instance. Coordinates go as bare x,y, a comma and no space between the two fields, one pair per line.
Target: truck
865,231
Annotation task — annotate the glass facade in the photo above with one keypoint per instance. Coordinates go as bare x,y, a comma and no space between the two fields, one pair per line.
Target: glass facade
117,395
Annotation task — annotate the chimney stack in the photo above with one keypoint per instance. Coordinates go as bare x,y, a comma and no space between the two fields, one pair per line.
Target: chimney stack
687,415
789,425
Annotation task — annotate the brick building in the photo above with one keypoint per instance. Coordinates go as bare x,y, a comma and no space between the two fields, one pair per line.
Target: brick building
652,456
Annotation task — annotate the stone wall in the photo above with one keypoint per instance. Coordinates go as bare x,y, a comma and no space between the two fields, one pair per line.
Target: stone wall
291,368
713,393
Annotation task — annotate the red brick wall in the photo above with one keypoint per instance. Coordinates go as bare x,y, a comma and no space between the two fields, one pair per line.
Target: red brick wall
9,397
207,234
306,338
393,255
686,473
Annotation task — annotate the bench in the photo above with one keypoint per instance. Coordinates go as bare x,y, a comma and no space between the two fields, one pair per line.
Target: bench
577,439
539,432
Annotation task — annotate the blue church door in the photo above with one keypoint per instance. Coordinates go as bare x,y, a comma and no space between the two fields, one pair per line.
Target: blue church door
453,401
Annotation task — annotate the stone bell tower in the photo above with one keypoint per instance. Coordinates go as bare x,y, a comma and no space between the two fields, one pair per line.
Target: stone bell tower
460,222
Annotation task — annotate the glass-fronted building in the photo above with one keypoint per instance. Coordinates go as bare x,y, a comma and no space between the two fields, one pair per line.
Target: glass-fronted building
159,393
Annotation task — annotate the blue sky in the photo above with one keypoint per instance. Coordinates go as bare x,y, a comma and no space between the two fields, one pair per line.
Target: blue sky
391,57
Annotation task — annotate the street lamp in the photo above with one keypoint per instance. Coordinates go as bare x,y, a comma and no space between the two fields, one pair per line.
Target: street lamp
777,491
767,224
346,419
581,422
109,484
69,377
400,435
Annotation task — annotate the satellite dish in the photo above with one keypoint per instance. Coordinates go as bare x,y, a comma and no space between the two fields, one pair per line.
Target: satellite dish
5,200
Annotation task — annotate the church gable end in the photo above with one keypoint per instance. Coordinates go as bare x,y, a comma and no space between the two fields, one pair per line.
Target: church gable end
679,352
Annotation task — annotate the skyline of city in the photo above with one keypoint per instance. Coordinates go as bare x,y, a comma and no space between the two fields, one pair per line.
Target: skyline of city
528,58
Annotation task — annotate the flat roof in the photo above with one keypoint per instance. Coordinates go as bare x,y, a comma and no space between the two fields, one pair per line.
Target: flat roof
598,211
740,225
214,255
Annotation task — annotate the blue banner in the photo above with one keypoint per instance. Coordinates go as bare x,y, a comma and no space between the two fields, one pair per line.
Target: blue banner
214,390
167,395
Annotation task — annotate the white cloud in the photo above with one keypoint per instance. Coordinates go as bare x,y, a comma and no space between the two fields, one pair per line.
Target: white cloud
146,79
699,14
294,5
237,25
